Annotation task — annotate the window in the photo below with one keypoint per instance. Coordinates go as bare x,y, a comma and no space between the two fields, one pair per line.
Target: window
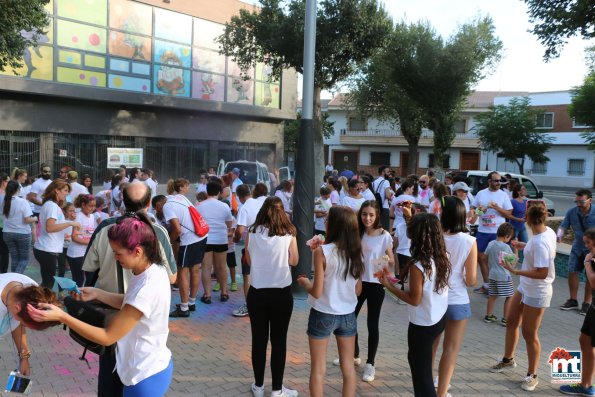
445,161
379,158
531,188
460,126
539,168
357,124
579,124
545,120
576,167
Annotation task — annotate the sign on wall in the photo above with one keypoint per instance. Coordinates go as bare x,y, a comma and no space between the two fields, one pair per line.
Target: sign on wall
130,157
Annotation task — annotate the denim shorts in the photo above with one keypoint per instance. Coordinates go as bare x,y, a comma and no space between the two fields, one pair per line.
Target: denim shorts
483,239
576,260
458,312
321,325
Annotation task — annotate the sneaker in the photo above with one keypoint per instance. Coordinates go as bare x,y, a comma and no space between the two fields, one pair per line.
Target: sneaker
191,308
577,390
503,322
570,304
502,365
217,287
481,290
584,309
234,287
179,313
285,392
490,319
257,391
356,361
529,383
369,373
242,311
436,385
174,287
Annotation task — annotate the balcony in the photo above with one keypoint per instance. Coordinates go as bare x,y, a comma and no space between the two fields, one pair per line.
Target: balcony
465,140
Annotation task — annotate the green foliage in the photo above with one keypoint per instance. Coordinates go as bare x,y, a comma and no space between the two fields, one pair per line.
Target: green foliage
582,107
557,20
292,130
18,16
510,130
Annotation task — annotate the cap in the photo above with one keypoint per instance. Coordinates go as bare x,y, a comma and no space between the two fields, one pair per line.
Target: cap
72,175
460,186
236,171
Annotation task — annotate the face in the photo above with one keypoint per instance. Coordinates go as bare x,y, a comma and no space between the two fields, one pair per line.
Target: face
62,193
128,259
583,201
354,191
461,194
211,171
159,206
184,189
523,191
494,182
448,181
122,172
46,173
325,196
203,179
63,173
368,216
87,182
70,213
89,208
423,183
22,178
387,172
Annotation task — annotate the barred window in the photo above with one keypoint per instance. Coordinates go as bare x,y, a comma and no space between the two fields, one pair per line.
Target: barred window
379,158
445,161
576,167
545,120
540,168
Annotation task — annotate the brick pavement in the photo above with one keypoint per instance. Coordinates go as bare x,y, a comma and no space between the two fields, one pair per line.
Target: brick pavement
211,353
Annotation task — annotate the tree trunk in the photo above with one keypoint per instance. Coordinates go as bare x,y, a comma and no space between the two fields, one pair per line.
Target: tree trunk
318,142
521,165
412,161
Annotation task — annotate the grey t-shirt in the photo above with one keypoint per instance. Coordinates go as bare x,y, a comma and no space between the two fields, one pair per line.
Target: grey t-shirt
497,272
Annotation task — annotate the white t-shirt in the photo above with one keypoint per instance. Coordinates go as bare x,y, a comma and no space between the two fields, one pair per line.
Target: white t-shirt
100,217
325,205
368,195
88,225
540,251
433,305
491,219
15,222
398,210
38,187
335,198
425,196
247,214
235,184
50,242
374,248
107,185
76,190
286,199
143,351
201,187
269,257
152,185
115,196
5,279
353,203
458,247
338,295
215,213
176,207
404,247
380,185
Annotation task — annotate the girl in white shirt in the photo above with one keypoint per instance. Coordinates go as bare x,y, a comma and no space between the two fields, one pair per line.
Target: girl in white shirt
427,297
353,199
334,186
18,218
140,328
271,250
80,236
338,268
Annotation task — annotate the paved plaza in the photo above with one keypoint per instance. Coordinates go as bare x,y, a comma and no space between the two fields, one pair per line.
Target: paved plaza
211,352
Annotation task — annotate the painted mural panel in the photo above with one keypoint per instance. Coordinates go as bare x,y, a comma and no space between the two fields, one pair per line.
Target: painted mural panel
141,68
208,60
168,80
173,26
172,54
205,33
234,70
264,72
240,91
208,86
267,95
49,7
81,37
82,77
131,17
90,11
95,61
38,63
128,83
71,57
129,45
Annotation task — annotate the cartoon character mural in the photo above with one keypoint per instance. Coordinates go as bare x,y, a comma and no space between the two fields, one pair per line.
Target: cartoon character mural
240,87
267,96
170,79
135,42
27,56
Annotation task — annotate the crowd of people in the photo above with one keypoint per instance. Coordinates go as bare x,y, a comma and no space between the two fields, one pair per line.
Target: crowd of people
423,240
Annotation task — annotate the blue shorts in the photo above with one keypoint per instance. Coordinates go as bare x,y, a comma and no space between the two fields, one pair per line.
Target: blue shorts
483,239
458,312
321,325
576,260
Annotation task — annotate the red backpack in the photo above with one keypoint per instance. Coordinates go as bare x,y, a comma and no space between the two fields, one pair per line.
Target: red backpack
201,227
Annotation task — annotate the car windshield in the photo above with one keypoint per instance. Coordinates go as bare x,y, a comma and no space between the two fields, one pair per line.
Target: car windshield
248,173
531,189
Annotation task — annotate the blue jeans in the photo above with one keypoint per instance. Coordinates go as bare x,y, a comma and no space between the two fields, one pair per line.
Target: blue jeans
18,246
521,234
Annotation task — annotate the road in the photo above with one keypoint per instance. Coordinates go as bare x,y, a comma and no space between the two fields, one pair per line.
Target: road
563,200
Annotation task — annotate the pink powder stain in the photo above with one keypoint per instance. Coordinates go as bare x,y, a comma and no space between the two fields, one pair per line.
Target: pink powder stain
62,370
82,76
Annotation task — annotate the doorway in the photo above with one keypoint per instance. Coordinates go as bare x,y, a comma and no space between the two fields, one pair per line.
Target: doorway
469,161
345,160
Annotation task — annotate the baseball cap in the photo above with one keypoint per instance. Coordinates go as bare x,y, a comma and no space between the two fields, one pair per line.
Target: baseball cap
236,171
460,186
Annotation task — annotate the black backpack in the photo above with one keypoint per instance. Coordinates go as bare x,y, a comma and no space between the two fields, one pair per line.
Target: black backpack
378,196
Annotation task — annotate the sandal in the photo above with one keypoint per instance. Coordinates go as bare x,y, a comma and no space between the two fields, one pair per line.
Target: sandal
224,297
206,299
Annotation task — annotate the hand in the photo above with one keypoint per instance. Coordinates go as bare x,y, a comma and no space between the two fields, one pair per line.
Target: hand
75,225
45,312
24,367
88,294
589,257
383,278
303,281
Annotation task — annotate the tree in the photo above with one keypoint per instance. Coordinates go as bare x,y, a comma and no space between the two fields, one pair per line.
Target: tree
510,130
557,20
347,33
22,22
292,129
582,107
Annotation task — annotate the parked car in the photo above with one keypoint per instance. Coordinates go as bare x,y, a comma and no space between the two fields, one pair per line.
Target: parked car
478,180
251,172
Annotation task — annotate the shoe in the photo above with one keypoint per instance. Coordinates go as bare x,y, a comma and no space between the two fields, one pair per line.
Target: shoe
502,365
242,311
529,383
191,308
481,290
503,322
216,287
369,373
285,392
356,361
205,299
570,304
224,297
179,313
577,390
257,391
234,287
584,309
490,319
174,287
436,385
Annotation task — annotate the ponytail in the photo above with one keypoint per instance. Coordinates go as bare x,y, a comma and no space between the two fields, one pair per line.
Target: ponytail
12,188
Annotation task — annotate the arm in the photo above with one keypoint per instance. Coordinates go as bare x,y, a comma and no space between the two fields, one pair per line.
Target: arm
175,231
32,197
539,273
76,237
237,236
414,295
358,286
315,288
294,256
246,251
589,268
471,266
19,336
30,219
52,227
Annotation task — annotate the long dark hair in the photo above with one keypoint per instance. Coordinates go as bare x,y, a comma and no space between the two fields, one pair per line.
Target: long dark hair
454,215
404,186
427,243
366,204
12,188
342,230
273,217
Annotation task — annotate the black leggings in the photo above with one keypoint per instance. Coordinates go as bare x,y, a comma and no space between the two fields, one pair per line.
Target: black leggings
374,293
76,269
3,254
270,311
47,264
420,340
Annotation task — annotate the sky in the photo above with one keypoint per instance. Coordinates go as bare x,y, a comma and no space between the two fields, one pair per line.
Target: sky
522,67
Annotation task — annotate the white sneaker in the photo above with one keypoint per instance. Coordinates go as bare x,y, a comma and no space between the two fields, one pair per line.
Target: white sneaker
285,392
242,311
436,384
257,391
369,373
356,361
529,383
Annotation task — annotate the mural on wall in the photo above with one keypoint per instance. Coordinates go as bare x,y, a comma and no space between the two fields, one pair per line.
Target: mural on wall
129,45
131,17
208,86
37,61
81,37
169,80
240,90
170,53
206,32
208,60
173,26
90,11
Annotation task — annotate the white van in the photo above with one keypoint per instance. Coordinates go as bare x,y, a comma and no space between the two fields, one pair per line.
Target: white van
251,172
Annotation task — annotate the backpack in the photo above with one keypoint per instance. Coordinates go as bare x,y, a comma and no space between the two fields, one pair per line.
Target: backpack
378,196
201,227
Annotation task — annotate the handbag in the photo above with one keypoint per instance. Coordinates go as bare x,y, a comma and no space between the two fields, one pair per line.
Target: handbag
93,313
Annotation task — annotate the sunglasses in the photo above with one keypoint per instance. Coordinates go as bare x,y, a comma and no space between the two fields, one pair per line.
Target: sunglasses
581,201
496,180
